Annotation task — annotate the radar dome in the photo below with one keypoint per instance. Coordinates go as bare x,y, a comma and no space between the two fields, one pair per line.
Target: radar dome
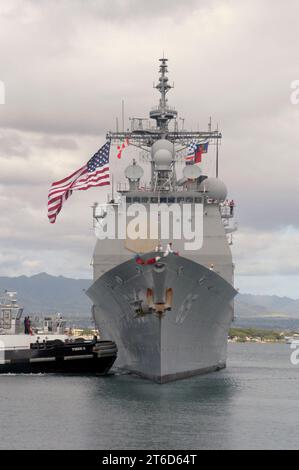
162,154
134,172
162,144
191,172
162,159
215,188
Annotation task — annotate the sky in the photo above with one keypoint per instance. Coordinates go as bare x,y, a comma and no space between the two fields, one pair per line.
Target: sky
66,66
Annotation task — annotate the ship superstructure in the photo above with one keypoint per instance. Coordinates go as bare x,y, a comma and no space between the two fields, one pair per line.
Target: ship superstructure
164,297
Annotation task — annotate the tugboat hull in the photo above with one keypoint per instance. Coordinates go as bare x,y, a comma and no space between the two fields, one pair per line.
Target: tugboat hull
58,357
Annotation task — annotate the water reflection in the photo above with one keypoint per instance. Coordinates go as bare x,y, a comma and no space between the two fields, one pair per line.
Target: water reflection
173,415
252,404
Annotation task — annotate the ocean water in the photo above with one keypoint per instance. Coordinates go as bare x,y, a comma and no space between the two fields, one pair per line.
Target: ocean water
253,404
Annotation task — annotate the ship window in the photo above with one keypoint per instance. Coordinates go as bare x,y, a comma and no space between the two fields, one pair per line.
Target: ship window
189,199
136,199
144,199
197,200
19,314
129,199
180,199
163,200
171,200
154,200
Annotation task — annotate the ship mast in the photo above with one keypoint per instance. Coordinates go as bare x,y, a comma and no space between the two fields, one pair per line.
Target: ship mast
163,114
144,137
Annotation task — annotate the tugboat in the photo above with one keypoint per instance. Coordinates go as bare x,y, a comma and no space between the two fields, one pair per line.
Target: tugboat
23,350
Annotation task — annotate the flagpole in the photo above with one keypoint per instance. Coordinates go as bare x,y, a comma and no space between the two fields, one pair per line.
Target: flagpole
123,114
217,156
112,187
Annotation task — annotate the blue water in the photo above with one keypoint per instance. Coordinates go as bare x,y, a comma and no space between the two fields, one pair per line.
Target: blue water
253,404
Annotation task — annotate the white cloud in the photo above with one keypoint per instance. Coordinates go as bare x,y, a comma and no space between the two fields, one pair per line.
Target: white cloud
261,253
232,60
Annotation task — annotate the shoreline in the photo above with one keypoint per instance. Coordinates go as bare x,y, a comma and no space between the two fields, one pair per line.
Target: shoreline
258,335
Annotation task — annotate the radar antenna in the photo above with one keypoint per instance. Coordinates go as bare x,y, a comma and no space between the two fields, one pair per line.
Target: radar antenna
144,137
163,114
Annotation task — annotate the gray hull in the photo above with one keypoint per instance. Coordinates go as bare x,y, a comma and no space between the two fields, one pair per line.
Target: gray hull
188,339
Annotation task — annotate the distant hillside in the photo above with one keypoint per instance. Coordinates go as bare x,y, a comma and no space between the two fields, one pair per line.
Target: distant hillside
249,305
43,293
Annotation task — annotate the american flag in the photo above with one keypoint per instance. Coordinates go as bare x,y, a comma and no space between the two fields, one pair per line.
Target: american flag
94,173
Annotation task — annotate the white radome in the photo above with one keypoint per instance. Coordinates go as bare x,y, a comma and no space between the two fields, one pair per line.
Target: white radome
191,172
163,159
134,172
162,154
162,144
215,188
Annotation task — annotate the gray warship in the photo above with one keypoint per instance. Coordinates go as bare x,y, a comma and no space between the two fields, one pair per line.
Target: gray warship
168,309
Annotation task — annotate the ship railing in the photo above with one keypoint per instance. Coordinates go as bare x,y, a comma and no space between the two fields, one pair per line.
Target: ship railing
137,128
13,348
125,187
167,109
141,125
226,212
122,187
